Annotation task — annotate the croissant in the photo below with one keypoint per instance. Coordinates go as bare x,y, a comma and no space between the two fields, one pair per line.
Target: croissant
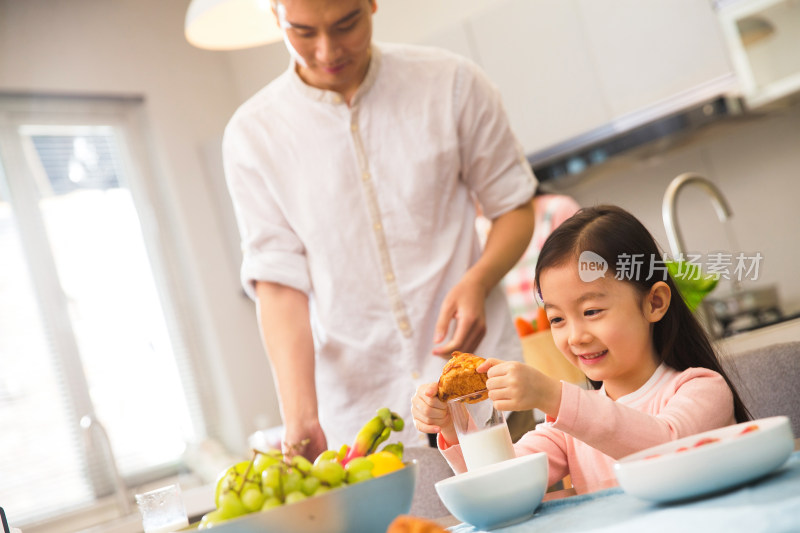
412,524
459,377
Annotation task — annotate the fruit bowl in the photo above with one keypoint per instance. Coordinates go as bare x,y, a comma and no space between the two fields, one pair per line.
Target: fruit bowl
365,507
496,495
707,462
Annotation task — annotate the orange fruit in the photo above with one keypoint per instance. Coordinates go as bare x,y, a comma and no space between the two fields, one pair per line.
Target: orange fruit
385,462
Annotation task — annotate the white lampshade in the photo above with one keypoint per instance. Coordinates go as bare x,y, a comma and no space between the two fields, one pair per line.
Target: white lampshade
230,24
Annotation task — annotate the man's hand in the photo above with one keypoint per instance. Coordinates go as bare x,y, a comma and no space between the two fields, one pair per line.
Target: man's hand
286,332
307,440
515,386
464,304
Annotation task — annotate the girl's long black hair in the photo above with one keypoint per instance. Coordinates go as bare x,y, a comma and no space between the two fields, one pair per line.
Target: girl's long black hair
618,237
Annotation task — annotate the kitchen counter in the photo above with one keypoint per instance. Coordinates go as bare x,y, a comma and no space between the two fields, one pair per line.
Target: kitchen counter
782,332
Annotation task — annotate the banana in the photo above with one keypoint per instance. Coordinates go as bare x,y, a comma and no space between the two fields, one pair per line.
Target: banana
395,448
373,433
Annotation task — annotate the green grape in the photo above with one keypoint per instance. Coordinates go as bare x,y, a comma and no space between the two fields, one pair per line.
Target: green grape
310,485
271,503
263,460
295,496
329,472
302,464
358,476
268,492
327,455
252,499
291,481
359,469
230,505
271,478
322,490
209,520
249,483
228,478
358,464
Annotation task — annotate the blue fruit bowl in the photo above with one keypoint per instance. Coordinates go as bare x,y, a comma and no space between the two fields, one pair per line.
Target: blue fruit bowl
366,507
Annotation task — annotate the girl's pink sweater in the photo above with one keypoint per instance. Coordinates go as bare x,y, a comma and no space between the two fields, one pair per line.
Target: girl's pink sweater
592,430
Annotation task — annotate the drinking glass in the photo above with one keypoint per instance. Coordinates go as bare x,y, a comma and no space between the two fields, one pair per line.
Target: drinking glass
162,510
482,430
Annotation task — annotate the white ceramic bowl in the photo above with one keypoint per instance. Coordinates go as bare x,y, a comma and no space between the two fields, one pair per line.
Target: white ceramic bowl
366,507
684,468
496,495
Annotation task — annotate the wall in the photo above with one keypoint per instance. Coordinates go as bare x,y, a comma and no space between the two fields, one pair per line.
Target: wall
753,160
95,47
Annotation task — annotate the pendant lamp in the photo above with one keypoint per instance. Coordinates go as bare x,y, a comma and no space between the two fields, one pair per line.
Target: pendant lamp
231,24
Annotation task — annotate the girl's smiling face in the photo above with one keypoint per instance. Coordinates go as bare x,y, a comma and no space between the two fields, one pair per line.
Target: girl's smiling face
604,327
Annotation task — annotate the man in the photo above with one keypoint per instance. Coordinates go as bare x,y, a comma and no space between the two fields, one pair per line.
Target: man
352,176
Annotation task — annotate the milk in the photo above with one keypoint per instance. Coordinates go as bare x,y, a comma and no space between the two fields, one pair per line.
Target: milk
486,446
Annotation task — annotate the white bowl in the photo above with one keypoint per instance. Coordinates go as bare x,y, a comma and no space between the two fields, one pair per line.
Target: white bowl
496,495
366,507
682,469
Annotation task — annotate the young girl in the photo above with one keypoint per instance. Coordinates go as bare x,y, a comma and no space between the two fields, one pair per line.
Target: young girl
654,372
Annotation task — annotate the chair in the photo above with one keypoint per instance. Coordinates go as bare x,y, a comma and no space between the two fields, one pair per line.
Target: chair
767,379
432,468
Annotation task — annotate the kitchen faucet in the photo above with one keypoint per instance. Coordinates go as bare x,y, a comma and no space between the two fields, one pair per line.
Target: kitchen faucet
89,423
668,208
676,243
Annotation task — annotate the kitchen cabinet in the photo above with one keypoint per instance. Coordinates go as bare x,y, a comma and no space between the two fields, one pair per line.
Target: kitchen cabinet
645,52
763,37
536,53
568,67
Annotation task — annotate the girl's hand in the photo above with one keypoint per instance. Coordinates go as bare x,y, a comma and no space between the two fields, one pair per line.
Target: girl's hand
431,414
515,386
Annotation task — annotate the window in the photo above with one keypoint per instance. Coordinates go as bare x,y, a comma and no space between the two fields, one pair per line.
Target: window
87,323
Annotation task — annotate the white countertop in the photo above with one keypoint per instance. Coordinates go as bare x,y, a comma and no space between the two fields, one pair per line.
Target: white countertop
783,332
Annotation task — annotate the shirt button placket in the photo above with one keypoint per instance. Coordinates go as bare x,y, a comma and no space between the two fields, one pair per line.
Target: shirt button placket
398,308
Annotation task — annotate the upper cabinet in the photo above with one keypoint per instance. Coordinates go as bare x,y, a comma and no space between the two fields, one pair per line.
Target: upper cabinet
645,52
567,67
764,39
536,53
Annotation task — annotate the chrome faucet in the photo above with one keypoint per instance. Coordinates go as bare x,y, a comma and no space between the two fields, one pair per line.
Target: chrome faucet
676,244
668,208
89,424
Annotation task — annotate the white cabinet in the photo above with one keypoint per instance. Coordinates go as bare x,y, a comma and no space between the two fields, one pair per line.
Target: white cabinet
536,53
648,51
764,41
567,67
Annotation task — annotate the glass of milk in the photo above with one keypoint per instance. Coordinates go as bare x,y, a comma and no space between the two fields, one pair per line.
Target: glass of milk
481,429
162,510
